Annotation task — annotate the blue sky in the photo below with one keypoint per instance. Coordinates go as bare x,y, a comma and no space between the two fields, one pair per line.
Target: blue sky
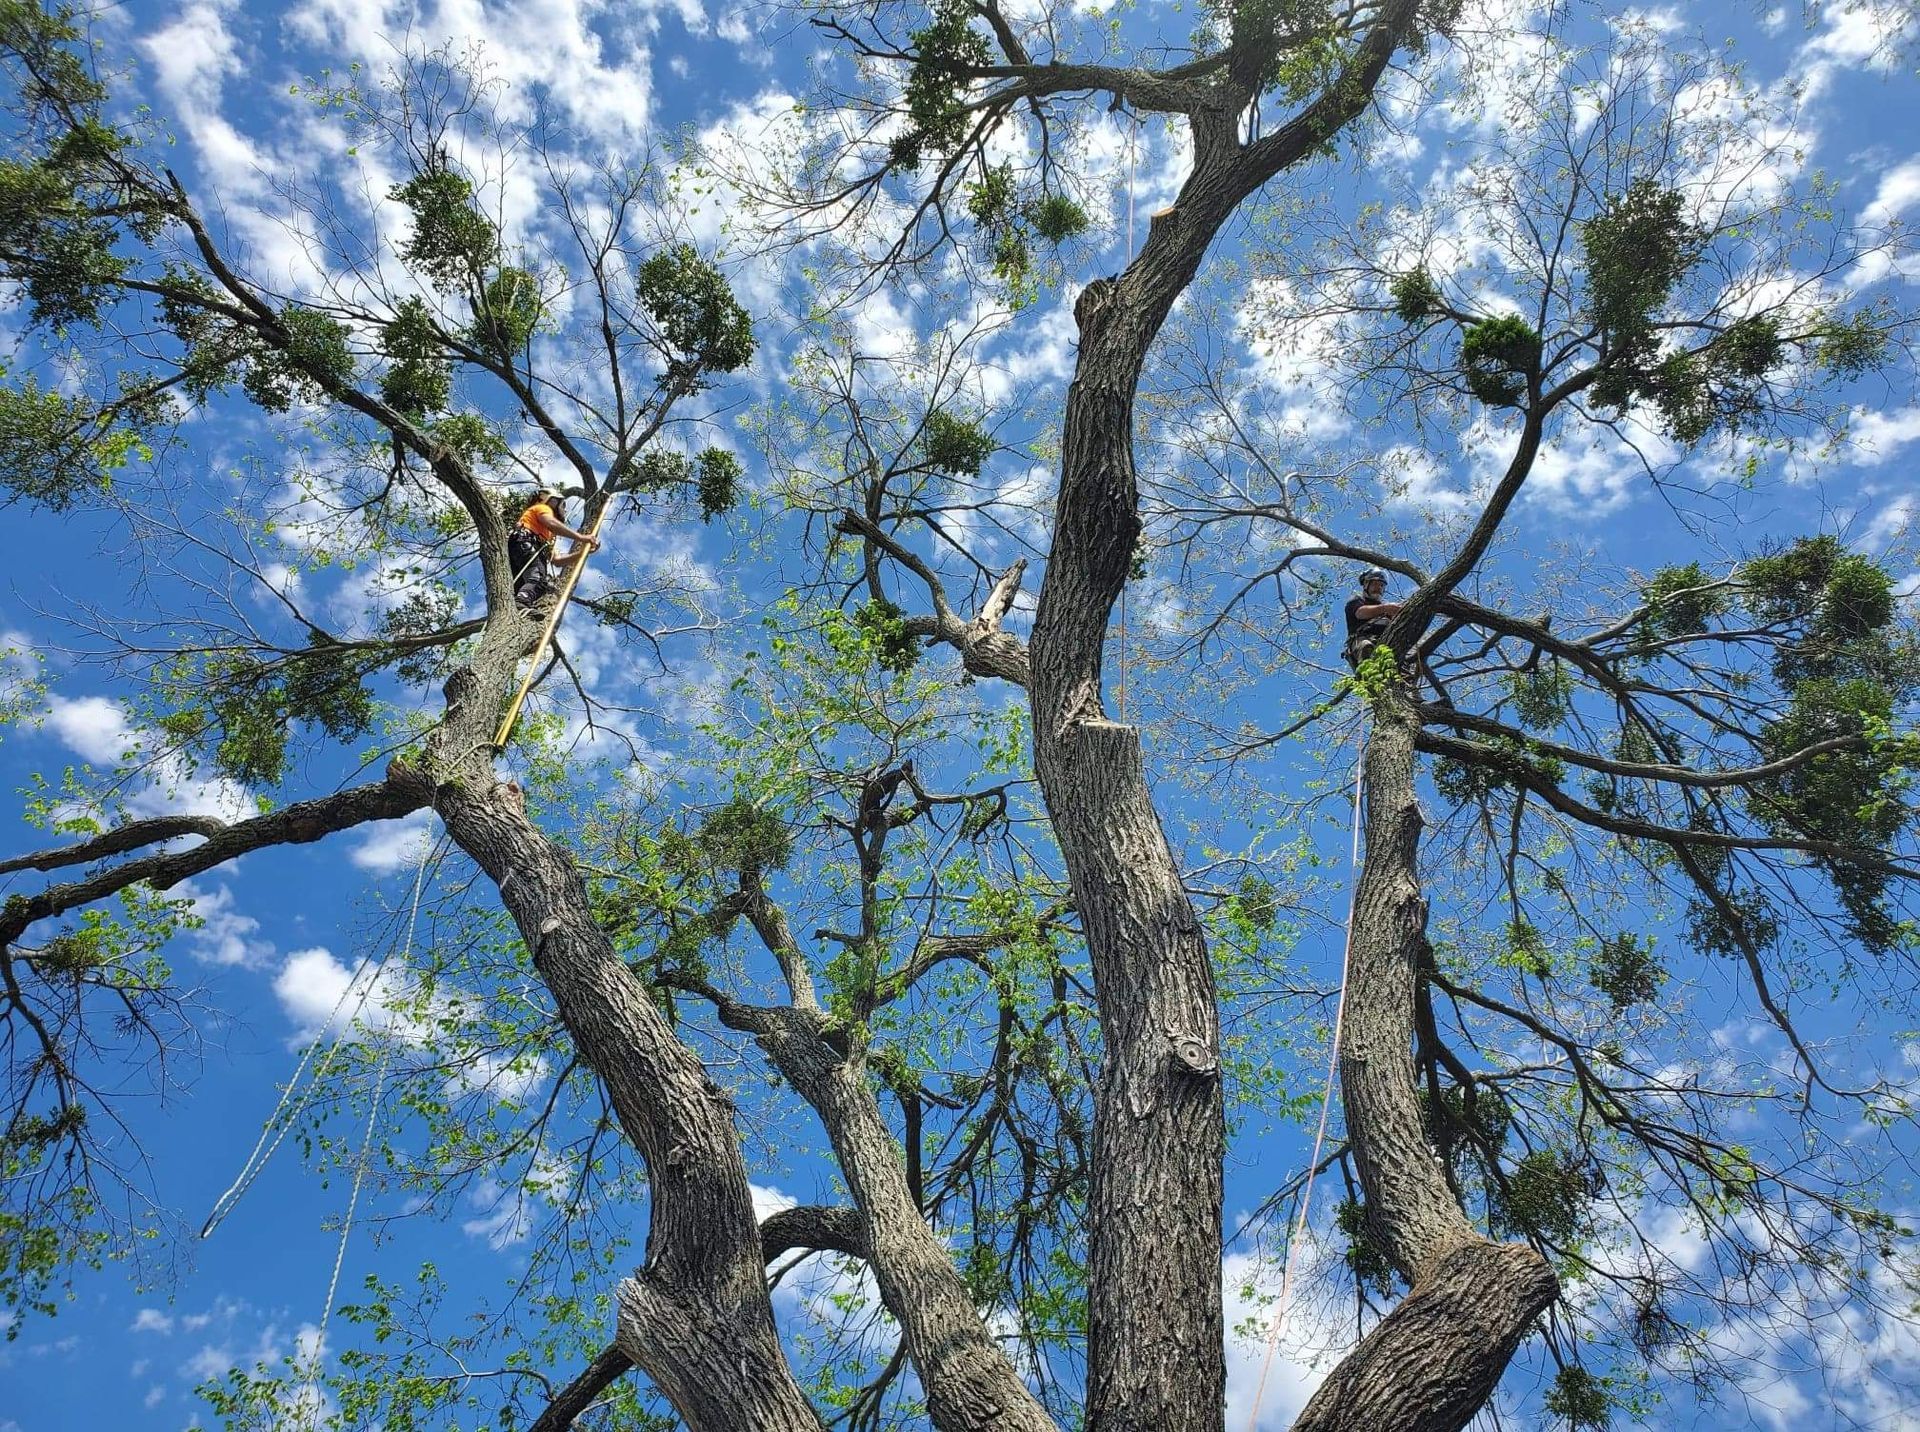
283,929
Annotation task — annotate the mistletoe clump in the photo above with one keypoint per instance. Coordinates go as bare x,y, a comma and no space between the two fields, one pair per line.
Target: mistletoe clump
700,322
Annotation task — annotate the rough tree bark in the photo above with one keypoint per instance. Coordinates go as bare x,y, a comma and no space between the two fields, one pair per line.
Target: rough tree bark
1433,1361
970,1383
696,1316
1156,1346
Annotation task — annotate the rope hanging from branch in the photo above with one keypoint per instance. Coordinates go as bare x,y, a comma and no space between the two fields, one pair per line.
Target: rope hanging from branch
1299,1234
295,1099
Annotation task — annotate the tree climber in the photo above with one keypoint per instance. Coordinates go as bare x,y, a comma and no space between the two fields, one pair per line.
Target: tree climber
530,546
1367,617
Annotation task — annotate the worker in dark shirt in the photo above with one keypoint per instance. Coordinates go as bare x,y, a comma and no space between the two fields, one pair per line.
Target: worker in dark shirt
1367,617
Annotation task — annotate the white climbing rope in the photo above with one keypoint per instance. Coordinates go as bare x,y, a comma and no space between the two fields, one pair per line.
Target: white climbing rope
1298,1237
373,1116
287,1112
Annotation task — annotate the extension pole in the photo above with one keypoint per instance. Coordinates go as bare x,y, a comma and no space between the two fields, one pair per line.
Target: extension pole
567,584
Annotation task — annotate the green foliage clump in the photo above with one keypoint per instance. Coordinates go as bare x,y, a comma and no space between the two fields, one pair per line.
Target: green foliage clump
1415,296
1747,921
65,199
1499,764
718,484
1256,901
239,710
310,356
1637,249
472,439
1500,356
935,94
452,242
1365,1257
1845,671
57,450
1680,601
1542,697
1626,970
955,445
1852,796
990,202
714,475
1008,226
508,312
1545,1196
1580,1398
1481,1112
1057,218
737,838
418,380
1839,601
894,648
1525,949
700,321
1750,347
425,609
743,836
1851,345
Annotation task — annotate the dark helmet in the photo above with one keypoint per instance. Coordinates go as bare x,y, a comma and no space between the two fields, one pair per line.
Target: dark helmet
1372,575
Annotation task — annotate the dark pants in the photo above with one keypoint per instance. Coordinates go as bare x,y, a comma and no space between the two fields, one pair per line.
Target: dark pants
1361,641
528,555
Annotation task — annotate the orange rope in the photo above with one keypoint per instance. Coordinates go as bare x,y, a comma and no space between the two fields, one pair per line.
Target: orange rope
568,583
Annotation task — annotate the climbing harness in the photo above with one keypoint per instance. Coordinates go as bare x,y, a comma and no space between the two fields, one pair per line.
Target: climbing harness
567,584
1278,1330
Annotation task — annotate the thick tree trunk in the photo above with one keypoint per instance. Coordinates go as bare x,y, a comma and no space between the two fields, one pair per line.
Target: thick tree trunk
1436,1358
1156,1335
696,1316
1156,1349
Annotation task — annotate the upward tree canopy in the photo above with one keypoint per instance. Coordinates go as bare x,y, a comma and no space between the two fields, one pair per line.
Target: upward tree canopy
883,880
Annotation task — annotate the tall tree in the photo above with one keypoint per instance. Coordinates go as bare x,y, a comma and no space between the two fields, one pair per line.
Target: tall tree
1662,292
935,1023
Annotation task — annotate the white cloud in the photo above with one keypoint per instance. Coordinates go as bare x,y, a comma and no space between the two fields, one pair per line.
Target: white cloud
1898,191
93,728
1864,34
226,936
586,59
312,984
1299,1360
151,1320
1891,522
768,1200
1876,437
395,844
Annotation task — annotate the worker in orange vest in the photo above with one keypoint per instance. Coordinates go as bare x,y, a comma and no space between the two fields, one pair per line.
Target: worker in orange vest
530,546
